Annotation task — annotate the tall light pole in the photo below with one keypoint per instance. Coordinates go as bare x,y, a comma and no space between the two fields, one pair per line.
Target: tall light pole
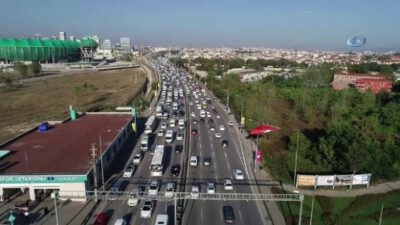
101,157
312,209
295,159
380,217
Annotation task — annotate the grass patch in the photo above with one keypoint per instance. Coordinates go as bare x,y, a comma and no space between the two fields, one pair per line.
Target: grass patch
46,100
363,210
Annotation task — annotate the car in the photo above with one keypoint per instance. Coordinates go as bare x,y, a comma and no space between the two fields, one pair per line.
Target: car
195,122
228,186
179,137
165,115
154,186
231,123
193,114
210,121
174,114
181,113
201,121
193,160
146,209
137,158
224,143
128,171
221,127
160,133
133,199
163,125
169,190
218,135
194,132
212,128
207,161
210,188
175,170
208,114
238,174
178,149
195,193
229,215
218,116
101,219
120,221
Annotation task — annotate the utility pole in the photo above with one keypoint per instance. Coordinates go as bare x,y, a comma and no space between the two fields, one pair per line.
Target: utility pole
380,217
312,209
227,101
295,159
94,162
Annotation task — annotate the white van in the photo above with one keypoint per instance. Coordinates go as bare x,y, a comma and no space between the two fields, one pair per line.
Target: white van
161,219
172,123
144,145
181,124
169,137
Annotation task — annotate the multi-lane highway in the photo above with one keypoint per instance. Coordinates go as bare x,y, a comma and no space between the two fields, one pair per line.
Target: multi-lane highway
185,98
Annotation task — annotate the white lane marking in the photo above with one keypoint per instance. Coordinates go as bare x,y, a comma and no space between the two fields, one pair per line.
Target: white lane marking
201,213
240,215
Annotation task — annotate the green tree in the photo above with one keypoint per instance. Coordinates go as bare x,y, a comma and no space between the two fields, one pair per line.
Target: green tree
35,67
21,68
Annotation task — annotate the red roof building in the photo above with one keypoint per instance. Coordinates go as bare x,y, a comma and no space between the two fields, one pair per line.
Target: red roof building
375,85
343,80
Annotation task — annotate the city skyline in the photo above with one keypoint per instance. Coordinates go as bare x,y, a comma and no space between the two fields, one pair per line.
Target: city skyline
311,25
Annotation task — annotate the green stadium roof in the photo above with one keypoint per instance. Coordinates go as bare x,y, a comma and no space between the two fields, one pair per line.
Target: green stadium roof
42,50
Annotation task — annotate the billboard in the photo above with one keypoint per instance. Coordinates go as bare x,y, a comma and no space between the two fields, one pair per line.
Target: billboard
325,180
361,179
305,180
343,180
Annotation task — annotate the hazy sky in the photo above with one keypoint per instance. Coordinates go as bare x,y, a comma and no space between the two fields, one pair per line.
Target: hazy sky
305,24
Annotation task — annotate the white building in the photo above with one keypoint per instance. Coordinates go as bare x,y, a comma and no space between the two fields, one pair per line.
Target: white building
107,45
63,36
125,44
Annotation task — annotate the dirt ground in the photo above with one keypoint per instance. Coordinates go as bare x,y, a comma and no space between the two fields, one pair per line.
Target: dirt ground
41,101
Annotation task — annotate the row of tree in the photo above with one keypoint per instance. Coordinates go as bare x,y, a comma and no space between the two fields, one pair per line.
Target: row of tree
339,132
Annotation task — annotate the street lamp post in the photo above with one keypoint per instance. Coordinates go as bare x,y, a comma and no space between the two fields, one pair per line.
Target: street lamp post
101,157
295,159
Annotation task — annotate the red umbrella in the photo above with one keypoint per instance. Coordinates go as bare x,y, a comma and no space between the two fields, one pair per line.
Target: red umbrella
263,129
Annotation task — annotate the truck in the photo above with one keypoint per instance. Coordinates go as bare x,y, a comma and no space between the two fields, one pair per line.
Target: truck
159,110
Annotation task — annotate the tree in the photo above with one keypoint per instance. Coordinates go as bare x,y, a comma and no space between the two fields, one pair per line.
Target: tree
35,67
21,68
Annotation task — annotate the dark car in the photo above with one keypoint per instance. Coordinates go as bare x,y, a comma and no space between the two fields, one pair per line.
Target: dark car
174,114
194,131
210,121
175,170
178,148
207,161
224,143
201,120
181,113
229,215
101,219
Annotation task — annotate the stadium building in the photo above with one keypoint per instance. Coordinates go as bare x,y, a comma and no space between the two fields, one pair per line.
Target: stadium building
46,51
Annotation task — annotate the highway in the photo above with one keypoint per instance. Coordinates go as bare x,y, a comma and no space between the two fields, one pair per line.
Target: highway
204,144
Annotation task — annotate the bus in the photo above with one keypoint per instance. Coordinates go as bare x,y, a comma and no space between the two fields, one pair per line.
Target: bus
150,125
156,166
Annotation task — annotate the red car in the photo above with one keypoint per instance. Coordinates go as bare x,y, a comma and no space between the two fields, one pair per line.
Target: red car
101,219
194,131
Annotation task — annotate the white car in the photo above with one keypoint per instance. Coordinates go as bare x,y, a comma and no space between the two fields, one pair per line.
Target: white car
128,172
146,209
137,159
193,160
221,127
212,128
169,190
218,116
120,221
231,123
133,199
195,193
163,125
179,137
228,185
160,133
193,114
218,135
208,114
238,174
154,186
211,188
